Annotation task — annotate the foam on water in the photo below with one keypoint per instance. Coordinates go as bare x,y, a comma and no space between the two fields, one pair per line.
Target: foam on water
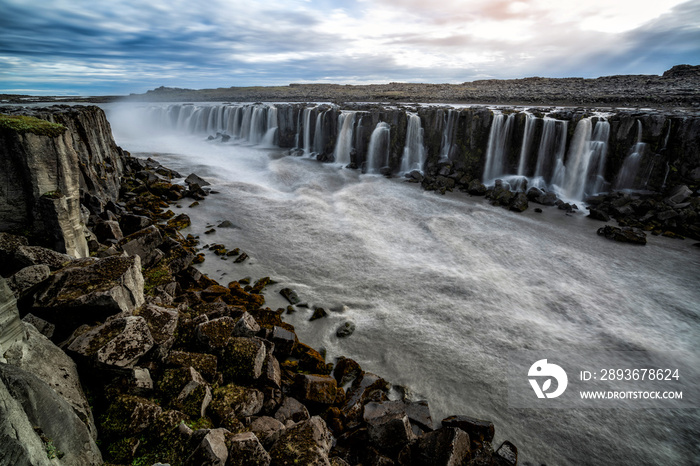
442,287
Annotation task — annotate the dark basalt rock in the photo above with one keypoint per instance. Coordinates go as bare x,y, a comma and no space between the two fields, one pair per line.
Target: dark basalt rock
624,234
598,214
477,188
290,295
195,179
477,429
345,330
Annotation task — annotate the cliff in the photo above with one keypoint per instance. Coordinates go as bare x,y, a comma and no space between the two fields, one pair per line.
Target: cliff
49,169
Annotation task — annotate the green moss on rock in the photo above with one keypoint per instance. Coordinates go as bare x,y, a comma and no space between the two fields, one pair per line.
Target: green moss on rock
23,124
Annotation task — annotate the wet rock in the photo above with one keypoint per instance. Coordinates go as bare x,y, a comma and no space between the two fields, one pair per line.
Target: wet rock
246,450
390,432
242,257
538,210
345,330
308,443
284,340
226,224
519,203
418,413
346,370
598,214
291,410
290,295
476,188
678,195
508,453
319,313
195,179
478,430
179,222
119,342
23,280
242,359
623,234
445,446
315,388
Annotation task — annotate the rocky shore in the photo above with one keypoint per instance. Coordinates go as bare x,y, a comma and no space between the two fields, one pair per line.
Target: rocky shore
126,354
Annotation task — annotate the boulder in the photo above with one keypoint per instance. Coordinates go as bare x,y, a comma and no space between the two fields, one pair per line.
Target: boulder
246,326
38,425
118,343
195,179
319,313
203,363
678,195
242,359
346,370
36,255
143,243
24,279
233,401
246,450
108,230
447,446
320,389
45,328
266,429
291,410
271,373
598,214
307,442
212,450
390,432
129,415
130,223
623,234
519,203
186,390
162,323
508,453
476,188
89,290
285,341
345,330
216,333
478,430
290,295
418,413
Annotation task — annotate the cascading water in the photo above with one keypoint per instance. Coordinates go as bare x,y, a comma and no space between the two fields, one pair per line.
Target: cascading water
413,156
378,151
448,134
499,137
271,131
528,135
343,145
307,130
319,140
584,164
630,167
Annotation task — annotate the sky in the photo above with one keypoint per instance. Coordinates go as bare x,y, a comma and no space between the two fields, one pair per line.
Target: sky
115,47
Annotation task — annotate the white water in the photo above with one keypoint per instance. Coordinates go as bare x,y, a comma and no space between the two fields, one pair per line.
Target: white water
630,167
443,287
307,130
343,146
528,134
448,134
413,157
378,150
499,138
586,161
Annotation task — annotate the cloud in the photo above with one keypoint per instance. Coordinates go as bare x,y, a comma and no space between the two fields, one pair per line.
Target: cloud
79,46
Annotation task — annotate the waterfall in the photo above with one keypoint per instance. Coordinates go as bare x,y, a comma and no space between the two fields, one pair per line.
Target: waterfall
271,128
527,142
413,156
318,132
497,146
378,151
585,162
630,167
343,144
258,121
448,134
551,152
307,130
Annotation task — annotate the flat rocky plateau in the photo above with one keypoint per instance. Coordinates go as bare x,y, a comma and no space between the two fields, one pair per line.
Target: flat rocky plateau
678,87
